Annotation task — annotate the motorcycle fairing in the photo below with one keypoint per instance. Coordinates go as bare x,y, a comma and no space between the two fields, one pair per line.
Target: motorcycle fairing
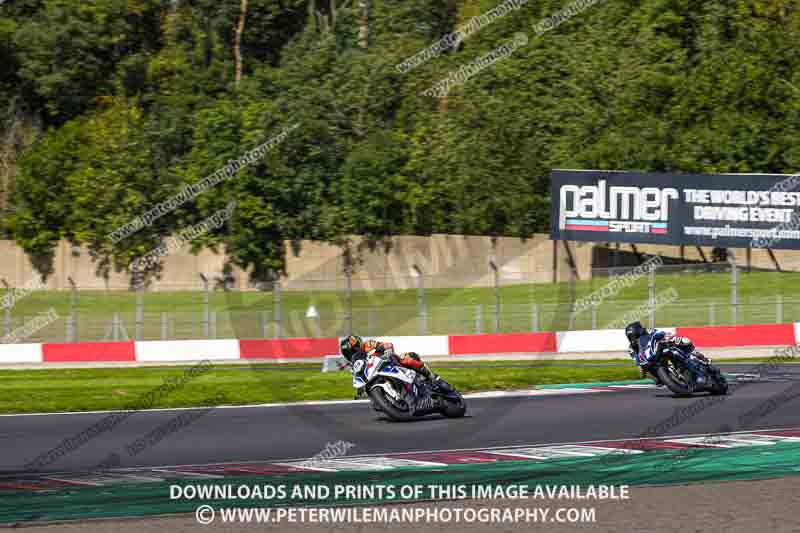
649,350
366,370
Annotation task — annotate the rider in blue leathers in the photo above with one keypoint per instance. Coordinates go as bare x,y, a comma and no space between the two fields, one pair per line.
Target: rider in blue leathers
645,344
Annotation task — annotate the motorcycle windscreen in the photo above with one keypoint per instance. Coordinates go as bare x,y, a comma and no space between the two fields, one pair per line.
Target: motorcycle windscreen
373,364
360,376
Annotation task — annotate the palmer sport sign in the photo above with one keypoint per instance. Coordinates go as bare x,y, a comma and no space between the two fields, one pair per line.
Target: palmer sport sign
727,210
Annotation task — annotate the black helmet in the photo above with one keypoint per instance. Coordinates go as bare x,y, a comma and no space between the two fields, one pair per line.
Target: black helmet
350,346
633,331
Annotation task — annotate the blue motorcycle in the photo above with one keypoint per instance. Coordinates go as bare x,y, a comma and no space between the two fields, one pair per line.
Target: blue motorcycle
681,371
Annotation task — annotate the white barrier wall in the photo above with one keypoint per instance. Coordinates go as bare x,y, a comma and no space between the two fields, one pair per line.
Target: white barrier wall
602,340
423,345
148,351
20,353
578,342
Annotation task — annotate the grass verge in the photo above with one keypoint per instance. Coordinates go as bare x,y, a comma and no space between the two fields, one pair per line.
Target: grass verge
58,390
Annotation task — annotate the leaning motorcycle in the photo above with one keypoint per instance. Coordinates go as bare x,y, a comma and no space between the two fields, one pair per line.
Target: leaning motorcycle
685,373
401,393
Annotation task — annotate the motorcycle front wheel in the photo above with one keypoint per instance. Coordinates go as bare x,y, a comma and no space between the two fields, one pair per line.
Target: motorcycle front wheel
397,414
670,375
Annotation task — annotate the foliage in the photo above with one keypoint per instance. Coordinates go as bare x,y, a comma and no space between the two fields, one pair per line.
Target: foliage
139,99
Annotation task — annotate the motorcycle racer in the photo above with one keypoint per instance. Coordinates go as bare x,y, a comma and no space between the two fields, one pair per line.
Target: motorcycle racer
354,348
643,344
402,387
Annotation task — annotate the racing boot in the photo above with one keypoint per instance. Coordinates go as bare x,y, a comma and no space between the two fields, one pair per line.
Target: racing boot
428,374
702,357
413,360
435,379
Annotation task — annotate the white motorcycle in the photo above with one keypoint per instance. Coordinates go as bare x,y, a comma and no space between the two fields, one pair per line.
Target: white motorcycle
402,393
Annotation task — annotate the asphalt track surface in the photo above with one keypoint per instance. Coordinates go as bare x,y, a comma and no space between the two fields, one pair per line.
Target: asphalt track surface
273,433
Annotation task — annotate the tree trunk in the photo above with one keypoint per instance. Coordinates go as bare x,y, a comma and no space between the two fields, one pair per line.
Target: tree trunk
208,55
25,129
360,126
237,47
363,30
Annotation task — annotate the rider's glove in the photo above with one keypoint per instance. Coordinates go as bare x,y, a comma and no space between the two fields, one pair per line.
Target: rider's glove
387,352
684,343
660,345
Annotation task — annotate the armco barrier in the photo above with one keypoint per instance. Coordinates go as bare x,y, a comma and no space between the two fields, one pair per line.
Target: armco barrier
455,345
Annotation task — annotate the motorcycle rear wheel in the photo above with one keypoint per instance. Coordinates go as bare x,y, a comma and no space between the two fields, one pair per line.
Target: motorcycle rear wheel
454,409
720,386
395,413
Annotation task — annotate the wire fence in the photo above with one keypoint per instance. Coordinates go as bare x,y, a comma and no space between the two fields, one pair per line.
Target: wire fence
667,295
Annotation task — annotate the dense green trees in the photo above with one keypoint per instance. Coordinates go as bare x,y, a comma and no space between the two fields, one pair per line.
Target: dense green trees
138,98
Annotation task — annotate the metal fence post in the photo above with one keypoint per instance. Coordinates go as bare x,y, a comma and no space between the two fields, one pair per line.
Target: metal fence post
70,332
276,312
422,312
115,327
572,292
72,321
264,325
213,324
140,311
496,271
478,318
734,289
535,317
779,309
206,309
7,320
295,325
164,326
348,272
594,315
